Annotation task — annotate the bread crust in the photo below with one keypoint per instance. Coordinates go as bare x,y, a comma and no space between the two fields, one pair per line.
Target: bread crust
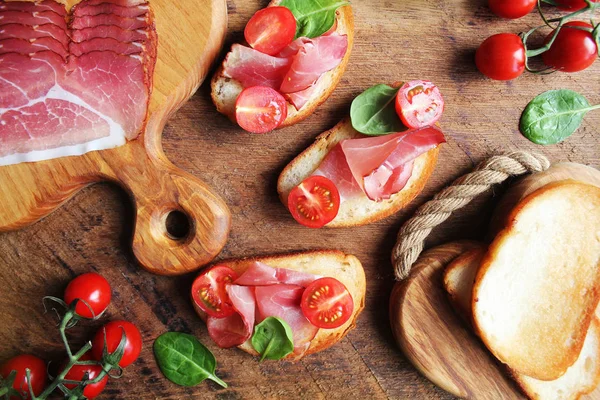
306,162
564,358
344,267
326,86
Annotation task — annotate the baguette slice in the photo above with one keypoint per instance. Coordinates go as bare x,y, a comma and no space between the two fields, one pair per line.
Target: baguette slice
538,285
581,378
225,91
360,210
345,268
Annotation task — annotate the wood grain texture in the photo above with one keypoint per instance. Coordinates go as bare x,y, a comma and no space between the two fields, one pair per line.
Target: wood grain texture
30,191
395,40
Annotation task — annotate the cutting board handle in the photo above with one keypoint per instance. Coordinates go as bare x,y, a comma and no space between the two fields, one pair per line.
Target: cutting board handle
161,191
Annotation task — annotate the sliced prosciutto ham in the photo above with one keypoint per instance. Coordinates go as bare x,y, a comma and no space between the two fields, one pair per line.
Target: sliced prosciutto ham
260,274
109,8
283,301
62,98
252,68
237,328
313,58
378,166
110,31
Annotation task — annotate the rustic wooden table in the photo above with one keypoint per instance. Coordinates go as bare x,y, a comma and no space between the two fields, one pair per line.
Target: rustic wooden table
395,40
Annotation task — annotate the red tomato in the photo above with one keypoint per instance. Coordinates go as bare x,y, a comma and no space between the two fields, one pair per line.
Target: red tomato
572,5
501,57
260,109
209,291
419,103
77,372
37,371
573,49
114,331
512,9
327,303
91,288
271,29
315,202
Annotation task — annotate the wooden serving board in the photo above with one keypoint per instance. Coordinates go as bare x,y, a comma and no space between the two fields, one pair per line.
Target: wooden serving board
435,339
190,35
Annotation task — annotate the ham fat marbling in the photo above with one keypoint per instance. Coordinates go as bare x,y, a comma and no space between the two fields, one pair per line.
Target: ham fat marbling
73,82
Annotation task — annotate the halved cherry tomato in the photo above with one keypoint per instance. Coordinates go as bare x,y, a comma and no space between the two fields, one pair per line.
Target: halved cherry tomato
77,373
573,49
512,9
315,202
572,5
113,331
327,303
501,57
271,29
92,289
209,291
419,104
260,109
37,371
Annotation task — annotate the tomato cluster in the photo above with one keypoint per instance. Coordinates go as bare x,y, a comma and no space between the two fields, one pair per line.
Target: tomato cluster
87,296
570,47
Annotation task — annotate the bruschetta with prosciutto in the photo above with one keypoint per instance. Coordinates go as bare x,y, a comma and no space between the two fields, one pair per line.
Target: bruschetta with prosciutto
313,298
295,54
371,164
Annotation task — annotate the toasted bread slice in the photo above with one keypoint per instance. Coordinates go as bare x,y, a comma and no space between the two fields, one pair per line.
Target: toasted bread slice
359,210
581,378
225,91
345,268
538,285
459,276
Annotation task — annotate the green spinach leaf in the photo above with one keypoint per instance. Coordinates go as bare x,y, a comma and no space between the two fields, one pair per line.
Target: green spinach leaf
184,360
373,112
313,17
553,116
273,339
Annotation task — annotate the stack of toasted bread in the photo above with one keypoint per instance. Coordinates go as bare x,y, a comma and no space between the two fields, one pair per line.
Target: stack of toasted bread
532,294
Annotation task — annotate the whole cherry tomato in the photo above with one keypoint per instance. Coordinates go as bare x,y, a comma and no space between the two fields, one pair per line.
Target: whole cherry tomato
512,9
573,49
77,373
37,371
501,57
92,289
572,5
113,332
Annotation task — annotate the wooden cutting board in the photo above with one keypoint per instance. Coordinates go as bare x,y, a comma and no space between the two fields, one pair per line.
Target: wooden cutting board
437,342
190,35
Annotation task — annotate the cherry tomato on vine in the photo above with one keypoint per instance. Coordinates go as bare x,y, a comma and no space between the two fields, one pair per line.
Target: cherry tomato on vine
315,202
260,109
573,49
419,104
572,5
37,370
501,57
77,373
209,291
113,331
91,288
512,9
327,303
271,29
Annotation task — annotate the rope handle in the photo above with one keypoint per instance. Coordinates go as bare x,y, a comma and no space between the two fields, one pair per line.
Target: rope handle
492,171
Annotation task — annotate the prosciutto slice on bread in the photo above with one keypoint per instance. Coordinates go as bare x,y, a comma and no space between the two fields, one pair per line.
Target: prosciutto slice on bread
67,97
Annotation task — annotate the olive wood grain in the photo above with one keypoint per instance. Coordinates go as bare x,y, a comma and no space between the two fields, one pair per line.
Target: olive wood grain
186,49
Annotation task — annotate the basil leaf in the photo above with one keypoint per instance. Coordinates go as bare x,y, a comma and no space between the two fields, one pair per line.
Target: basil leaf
273,339
184,360
553,116
313,17
373,112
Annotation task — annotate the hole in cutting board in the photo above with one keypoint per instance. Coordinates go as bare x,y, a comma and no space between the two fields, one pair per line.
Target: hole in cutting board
178,225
